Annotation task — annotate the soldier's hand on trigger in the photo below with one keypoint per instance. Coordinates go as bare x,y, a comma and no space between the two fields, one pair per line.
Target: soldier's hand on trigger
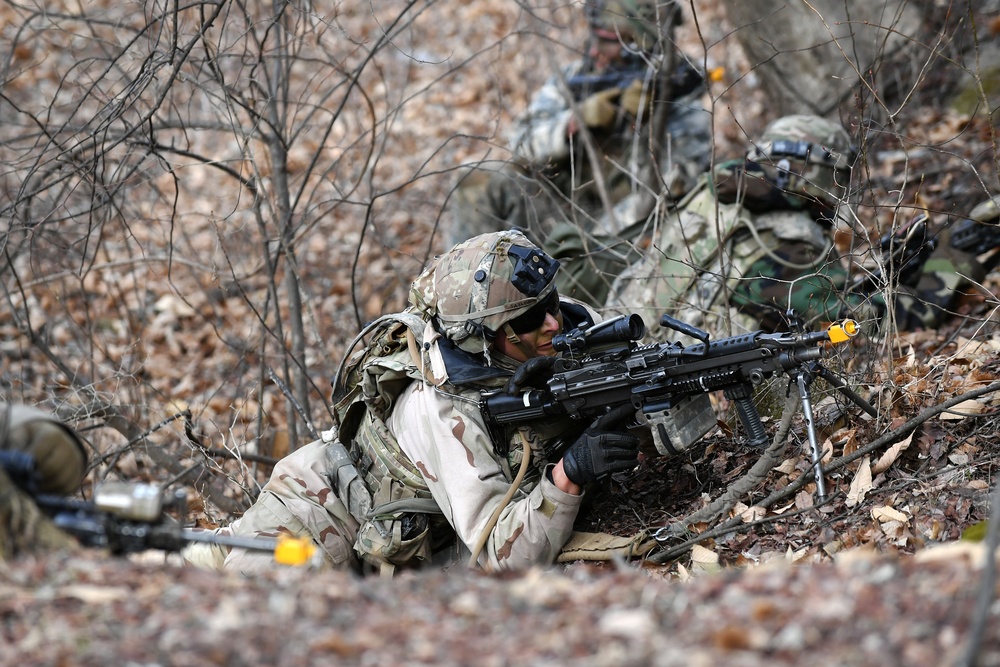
59,457
600,109
601,451
535,372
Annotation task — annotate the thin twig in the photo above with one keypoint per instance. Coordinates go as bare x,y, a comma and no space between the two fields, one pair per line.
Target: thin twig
295,403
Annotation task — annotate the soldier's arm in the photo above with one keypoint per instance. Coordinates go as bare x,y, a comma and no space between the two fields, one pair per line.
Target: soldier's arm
541,132
447,440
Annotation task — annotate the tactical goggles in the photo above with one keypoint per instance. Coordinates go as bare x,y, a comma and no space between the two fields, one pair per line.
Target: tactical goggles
534,317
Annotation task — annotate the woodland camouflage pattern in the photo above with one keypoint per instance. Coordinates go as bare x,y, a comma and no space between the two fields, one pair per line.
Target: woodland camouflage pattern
805,158
773,260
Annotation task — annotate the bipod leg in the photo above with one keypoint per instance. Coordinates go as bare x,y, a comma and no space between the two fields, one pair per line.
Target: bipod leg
840,385
802,381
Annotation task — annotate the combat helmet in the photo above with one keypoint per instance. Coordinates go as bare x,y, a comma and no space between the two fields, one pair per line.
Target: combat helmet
481,284
636,22
807,158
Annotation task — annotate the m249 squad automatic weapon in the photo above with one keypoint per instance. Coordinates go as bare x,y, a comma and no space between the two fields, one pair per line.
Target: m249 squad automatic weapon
603,367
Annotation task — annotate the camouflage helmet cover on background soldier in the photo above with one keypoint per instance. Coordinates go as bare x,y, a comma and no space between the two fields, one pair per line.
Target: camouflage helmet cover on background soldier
479,285
807,158
634,21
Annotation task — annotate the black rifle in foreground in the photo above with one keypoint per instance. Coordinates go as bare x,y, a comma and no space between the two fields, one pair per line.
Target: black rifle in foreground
684,79
128,518
668,383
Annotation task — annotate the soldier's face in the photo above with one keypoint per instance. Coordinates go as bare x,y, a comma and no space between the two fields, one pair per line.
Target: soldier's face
535,343
605,49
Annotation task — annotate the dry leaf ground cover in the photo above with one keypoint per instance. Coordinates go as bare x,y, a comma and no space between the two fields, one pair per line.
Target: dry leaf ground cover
785,585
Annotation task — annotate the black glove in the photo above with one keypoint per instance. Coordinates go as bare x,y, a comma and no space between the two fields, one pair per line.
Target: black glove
601,451
535,372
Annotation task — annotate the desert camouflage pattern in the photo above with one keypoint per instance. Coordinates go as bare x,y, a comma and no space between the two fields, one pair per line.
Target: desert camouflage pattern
551,183
469,288
434,473
445,436
442,432
297,500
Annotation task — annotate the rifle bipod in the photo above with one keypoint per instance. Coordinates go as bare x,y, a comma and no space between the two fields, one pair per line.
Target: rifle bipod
803,378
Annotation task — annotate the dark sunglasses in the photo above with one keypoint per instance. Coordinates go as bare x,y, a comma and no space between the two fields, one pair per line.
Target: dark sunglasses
535,317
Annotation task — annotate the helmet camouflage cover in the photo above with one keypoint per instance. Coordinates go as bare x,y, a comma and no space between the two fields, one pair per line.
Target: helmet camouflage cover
634,21
476,287
808,158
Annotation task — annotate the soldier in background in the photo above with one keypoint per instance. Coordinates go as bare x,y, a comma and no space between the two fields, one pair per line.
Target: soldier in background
755,238
631,109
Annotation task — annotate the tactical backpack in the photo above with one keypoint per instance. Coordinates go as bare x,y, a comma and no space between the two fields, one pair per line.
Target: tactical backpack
381,487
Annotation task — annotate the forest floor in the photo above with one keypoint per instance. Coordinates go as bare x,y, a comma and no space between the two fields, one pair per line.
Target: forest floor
876,574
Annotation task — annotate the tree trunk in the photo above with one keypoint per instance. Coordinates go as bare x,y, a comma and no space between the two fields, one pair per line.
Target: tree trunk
810,56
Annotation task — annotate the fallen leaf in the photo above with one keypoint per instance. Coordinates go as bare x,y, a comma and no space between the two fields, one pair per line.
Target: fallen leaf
962,410
95,594
890,456
700,554
754,513
861,484
886,513
787,466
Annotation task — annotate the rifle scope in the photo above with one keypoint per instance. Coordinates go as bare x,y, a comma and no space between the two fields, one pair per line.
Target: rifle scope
621,329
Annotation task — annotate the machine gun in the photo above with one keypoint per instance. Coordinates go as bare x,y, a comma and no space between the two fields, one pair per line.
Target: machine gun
128,518
668,384
684,79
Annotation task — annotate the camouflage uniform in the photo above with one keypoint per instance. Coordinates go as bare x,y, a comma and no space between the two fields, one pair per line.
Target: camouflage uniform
551,191
39,454
756,235
425,472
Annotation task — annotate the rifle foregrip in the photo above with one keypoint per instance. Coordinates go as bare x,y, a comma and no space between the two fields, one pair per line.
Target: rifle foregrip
748,415
751,420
